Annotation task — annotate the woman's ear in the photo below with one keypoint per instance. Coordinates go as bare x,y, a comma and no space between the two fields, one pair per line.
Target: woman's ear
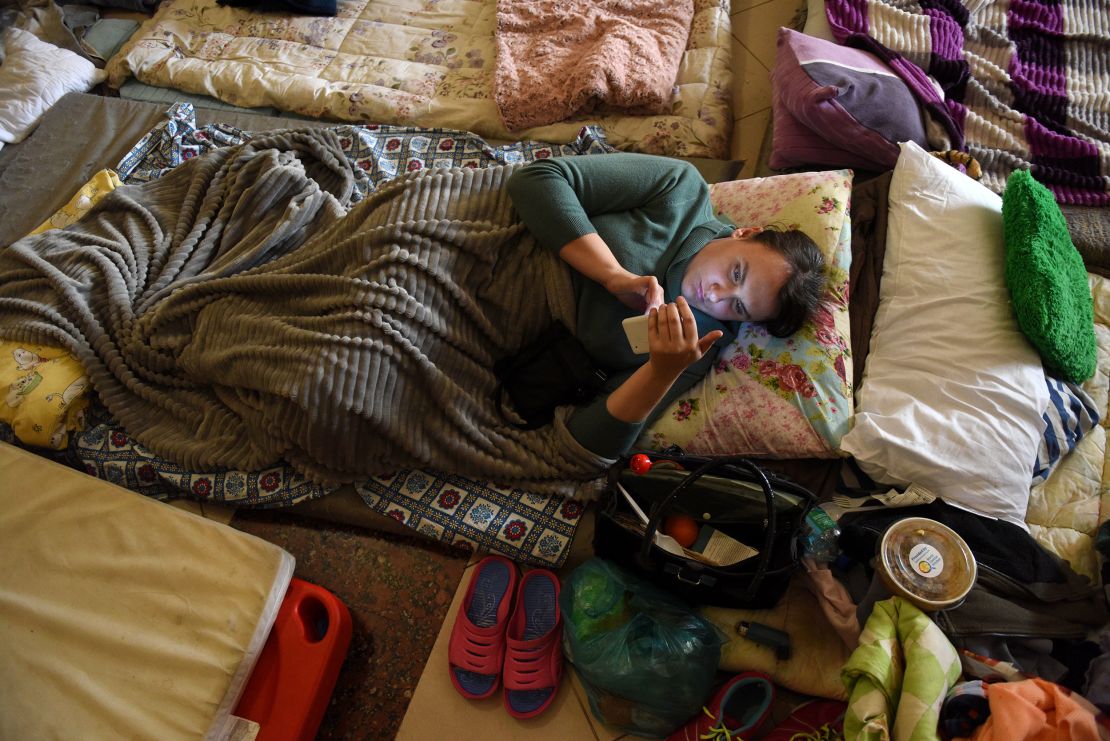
746,231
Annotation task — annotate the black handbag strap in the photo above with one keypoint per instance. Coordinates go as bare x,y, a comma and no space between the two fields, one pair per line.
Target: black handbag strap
712,465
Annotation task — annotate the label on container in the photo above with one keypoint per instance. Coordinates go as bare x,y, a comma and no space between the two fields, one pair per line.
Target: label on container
926,560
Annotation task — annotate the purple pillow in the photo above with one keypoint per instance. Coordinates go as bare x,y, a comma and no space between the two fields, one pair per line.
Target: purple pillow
795,145
838,107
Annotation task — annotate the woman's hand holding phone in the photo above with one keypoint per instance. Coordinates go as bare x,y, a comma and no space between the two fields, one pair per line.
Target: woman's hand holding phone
674,344
673,338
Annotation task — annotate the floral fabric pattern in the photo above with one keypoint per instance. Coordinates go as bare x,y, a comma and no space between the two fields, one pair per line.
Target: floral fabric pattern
408,63
109,453
768,396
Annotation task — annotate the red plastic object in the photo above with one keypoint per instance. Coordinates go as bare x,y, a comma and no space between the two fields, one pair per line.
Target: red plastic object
640,464
291,684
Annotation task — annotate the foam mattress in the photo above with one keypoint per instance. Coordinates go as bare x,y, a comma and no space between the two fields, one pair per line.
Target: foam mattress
120,616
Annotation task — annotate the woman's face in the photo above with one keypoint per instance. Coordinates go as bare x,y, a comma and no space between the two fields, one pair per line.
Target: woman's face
736,278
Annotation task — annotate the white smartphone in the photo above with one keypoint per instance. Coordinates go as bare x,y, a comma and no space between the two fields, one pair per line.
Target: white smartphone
636,329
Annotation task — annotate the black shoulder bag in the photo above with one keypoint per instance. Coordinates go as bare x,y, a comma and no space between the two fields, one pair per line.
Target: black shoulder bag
732,495
553,371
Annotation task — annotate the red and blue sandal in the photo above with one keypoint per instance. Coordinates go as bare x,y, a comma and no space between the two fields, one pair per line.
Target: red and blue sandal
534,660
477,649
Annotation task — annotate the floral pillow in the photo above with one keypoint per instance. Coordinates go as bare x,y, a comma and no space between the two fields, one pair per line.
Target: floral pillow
769,396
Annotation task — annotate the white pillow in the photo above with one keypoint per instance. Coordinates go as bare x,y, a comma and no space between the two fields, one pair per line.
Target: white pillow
33,77
952,392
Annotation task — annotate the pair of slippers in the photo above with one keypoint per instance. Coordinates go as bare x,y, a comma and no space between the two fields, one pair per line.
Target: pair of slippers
495,640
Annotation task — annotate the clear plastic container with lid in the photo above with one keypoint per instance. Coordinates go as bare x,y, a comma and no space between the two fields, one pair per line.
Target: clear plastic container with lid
926,562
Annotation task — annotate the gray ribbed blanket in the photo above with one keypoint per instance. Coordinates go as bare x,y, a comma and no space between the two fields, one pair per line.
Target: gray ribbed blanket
234,312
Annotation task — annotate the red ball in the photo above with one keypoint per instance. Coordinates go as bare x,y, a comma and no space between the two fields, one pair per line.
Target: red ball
639,464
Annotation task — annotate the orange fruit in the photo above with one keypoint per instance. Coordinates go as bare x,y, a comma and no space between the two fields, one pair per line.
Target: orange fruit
683,528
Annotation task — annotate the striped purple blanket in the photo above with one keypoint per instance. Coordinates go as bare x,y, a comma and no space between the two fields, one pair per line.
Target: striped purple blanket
1025,84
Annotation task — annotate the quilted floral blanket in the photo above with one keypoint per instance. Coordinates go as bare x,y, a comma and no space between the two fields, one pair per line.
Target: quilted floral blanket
423,63
1023,83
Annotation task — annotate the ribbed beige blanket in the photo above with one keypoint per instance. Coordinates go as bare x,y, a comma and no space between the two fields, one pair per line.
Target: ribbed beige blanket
557,58
233,313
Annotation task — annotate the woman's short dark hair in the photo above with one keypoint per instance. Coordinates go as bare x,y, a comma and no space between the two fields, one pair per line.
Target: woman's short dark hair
802,291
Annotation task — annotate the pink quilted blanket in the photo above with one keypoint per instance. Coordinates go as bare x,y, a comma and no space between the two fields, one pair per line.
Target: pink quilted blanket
556,58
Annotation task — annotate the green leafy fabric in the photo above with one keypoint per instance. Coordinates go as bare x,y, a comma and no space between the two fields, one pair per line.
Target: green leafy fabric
899,675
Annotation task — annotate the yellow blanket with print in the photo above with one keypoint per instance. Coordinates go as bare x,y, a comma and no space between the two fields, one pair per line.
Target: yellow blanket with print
44,387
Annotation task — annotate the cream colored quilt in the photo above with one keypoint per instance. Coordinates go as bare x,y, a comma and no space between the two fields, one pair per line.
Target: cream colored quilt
1066,510
421,62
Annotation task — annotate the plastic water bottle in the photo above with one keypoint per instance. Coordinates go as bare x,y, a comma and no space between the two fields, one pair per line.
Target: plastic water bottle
820,539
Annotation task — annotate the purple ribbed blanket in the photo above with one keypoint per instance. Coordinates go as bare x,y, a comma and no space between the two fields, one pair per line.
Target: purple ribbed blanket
1026,82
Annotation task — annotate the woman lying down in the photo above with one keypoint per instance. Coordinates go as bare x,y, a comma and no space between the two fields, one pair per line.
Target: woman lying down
238,311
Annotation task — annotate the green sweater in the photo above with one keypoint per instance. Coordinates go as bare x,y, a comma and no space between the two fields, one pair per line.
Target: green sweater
655,214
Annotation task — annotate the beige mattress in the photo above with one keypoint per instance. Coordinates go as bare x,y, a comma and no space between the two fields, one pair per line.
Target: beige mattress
122,617
420,62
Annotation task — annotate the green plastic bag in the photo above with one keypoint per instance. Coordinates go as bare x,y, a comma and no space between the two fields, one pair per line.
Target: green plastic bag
647,659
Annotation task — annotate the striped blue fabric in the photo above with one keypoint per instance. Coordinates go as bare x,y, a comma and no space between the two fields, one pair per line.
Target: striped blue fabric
1070,415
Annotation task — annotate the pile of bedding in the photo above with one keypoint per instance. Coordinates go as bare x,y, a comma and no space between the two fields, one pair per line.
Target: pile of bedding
525,524
226,313
1016,85
1015,479
559,58
805,386
432,66
1023,83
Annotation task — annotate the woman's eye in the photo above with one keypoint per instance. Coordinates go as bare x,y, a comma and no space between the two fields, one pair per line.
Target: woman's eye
736,275
739,308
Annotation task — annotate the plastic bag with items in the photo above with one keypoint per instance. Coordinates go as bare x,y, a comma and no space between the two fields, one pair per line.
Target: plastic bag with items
645,657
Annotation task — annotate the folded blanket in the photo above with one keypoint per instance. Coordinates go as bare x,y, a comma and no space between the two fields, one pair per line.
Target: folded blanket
556,58
232,314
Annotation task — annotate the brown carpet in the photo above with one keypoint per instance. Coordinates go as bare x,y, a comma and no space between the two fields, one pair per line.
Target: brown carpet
397,589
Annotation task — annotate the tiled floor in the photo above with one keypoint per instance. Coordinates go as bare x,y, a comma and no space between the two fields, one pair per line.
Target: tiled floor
755,27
